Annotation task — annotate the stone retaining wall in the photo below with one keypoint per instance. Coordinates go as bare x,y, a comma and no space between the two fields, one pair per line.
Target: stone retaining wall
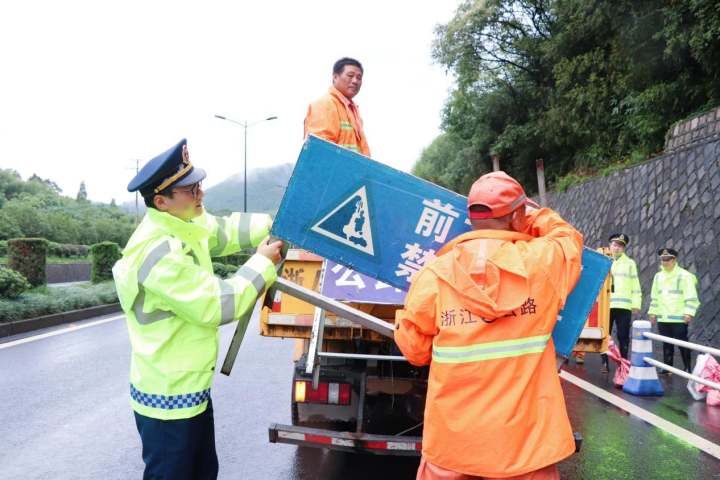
67,272
672,200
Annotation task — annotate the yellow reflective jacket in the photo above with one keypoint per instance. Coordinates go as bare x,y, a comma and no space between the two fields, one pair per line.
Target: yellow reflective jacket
674,294
626,293
174,304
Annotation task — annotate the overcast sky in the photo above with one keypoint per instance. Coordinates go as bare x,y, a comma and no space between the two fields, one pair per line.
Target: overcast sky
88,87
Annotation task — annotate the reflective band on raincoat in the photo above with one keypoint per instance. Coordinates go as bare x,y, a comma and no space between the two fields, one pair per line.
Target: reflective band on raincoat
490,350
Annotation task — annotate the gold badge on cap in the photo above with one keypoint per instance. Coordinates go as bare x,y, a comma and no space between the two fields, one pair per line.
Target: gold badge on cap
185,168
185,154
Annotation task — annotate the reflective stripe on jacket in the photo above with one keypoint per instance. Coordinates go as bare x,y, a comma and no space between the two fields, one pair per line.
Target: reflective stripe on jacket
174,304
482,315
626,292
674,295
337,119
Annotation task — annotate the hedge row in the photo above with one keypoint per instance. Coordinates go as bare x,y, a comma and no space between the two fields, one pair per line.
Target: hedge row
46,301
63,250
224,271
27,256
67,250
104,255
236,259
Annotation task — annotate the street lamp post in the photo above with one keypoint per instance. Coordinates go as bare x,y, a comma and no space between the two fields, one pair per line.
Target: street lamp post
245,124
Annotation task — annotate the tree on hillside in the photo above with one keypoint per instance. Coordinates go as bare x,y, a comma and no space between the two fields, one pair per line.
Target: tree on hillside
45,182
34,208
82,193
579,84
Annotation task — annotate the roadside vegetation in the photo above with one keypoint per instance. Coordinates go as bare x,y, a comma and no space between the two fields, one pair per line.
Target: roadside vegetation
46,300
588,86
35,208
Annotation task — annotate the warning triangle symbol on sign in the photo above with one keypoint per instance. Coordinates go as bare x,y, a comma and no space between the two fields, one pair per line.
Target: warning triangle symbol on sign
349,223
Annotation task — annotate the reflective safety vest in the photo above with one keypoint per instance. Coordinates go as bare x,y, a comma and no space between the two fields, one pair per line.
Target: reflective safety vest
674,294
626,293
174,304
482,316
337,119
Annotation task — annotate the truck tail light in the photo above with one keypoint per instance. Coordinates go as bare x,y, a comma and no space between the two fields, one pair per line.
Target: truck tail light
345,393
327,392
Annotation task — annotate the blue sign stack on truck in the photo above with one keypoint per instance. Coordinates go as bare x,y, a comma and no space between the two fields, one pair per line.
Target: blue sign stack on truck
369,228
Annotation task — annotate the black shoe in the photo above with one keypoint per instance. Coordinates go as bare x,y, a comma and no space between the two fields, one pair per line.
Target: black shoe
604,369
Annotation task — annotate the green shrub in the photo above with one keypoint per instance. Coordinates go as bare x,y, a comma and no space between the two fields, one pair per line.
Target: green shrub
3,248
27,256
237,259
224,271
67,250
12,283
48,300
104,255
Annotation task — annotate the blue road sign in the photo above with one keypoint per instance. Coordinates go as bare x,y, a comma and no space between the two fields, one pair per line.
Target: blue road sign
370,217
388,224
343,283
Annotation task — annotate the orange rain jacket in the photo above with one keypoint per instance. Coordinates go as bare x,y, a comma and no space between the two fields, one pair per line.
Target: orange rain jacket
336,118
482,315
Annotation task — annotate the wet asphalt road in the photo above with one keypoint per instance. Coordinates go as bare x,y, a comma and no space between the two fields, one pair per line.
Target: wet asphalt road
617,445
64,414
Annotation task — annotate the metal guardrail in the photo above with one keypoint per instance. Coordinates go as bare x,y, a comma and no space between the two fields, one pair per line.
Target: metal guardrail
681,343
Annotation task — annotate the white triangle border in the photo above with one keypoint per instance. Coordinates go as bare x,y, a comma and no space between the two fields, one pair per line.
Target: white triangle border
370,249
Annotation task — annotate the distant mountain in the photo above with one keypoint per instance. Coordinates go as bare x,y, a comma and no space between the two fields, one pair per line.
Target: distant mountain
266,187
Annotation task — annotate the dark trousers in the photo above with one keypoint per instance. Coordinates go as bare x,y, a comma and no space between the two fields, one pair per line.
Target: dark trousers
179,449
622,319
680,332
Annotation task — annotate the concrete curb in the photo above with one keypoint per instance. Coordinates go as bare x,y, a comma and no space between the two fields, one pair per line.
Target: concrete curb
30,324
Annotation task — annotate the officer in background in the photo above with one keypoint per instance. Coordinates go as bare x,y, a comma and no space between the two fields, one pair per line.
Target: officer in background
674,303
174,304
625,295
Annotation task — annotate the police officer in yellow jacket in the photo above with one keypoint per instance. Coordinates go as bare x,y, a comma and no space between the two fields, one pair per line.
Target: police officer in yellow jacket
174,304
673,304
625,296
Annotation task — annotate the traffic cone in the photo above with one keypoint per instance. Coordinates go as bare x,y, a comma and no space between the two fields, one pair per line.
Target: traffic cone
643,379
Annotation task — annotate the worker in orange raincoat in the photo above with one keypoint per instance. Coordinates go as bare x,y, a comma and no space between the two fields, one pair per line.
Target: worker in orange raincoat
335,117
482,315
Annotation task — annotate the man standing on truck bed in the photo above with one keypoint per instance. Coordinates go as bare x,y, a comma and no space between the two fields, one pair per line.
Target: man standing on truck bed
174,305
335,117
482,315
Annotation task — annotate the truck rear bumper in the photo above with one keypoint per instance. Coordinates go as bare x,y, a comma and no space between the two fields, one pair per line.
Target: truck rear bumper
345,441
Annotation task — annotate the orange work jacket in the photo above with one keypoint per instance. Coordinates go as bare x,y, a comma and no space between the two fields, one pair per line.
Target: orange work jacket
336,118
482,315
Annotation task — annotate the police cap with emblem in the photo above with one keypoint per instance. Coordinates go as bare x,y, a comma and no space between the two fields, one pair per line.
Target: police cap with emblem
619,237
171,168
667,253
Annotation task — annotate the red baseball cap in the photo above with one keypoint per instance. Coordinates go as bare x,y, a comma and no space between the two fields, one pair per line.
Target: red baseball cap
498,191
